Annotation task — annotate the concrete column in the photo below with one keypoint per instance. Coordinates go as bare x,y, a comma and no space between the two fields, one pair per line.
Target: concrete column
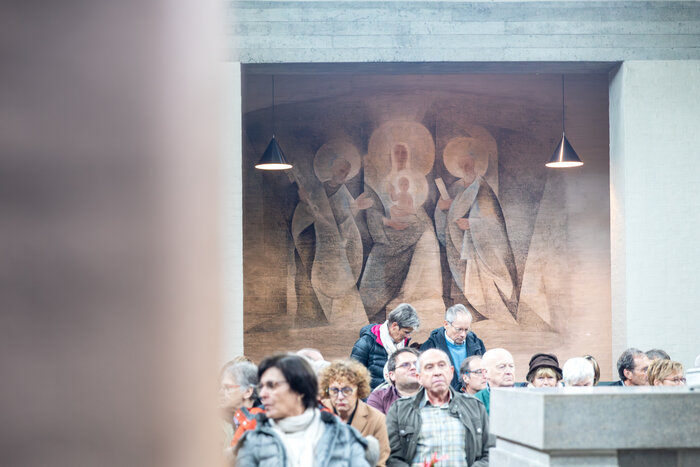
109,260
232,215
655,206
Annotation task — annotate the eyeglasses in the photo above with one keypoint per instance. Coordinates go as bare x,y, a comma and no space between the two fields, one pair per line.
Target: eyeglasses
229,387
680,380
459,330
477,372
347,391
406,331
271,385
407,365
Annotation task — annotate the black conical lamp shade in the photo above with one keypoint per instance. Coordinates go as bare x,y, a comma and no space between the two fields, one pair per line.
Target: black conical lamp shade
564,155
273,158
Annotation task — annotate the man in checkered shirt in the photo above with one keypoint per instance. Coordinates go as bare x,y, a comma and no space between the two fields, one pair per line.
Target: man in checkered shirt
438,420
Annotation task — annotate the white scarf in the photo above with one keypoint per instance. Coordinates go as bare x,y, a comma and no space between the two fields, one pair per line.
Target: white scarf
387,341
300,436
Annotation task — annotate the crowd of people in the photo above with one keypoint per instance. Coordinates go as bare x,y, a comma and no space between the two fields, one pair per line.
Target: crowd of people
395,403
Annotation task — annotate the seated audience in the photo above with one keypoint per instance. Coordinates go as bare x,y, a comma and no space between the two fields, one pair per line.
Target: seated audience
456,339
596,368
632,368
473,375
654,354
439,420
343,384
292,427
666,372
578,371
378,341
544,371
237,399
500,373
402,374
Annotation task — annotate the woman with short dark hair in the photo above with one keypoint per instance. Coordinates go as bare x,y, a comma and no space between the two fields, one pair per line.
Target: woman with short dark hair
293,432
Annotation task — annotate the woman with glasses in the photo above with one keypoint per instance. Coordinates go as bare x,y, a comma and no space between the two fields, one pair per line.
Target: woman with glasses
237,399
293,432
666,373
344,383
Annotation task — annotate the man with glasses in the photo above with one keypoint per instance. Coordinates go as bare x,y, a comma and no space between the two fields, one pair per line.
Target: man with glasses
401,368
456,339
473,375
500,373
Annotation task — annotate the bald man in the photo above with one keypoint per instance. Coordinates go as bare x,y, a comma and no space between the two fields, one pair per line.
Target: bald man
500,373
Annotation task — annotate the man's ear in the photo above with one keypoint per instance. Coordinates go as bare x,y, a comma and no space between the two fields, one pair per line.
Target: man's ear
445,324
627,373
248,394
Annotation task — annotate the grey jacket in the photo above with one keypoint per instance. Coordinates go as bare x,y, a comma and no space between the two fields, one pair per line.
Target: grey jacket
340,445
404,424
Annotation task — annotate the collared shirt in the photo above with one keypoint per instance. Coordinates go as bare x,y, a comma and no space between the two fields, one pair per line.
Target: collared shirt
381,399
441,433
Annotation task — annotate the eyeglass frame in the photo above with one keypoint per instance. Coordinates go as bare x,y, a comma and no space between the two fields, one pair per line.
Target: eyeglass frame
459,330
347,391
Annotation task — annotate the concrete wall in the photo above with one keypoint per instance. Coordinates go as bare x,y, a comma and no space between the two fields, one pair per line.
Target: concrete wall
655,206
432,31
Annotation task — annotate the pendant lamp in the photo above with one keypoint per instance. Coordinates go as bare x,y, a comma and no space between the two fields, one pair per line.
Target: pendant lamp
273,157
564,155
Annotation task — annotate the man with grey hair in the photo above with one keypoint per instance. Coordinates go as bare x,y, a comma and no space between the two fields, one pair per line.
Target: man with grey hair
456,339
632,368
378,341
438,419
578,371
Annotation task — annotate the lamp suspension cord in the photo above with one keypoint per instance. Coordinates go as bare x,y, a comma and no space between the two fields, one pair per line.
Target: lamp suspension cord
563,131
273,106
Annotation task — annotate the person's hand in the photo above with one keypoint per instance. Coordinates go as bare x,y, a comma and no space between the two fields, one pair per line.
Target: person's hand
364,201
396,225
463,223
444,204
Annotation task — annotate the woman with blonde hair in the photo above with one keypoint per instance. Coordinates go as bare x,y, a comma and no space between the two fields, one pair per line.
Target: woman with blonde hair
665,373
342,385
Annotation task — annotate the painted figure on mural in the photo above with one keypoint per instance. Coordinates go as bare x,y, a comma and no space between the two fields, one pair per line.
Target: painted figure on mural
471,226
404,261
326,236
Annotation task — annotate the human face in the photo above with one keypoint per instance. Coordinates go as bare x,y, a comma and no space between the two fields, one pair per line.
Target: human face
231,397
400,156
587,382
543,380
277,397
638,376
403,184
676,379
466,163
341,169
475,378
435,371
398,333
459,327
405,373
502,373
343,396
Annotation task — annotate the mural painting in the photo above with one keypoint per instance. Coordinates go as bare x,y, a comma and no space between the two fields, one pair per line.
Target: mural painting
409,196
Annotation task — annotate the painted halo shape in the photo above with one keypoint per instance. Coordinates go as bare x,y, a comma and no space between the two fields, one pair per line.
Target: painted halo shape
416,137
331,152
418,186
481,146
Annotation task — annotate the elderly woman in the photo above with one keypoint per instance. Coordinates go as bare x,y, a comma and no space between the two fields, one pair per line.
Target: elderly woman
343,384
578,371
665,373
293,432
236,399
544,371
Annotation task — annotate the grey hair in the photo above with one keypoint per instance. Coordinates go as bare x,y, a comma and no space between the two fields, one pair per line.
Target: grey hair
447,357
405,316
626,361
653,354
245,374
577,370
454,310
466,363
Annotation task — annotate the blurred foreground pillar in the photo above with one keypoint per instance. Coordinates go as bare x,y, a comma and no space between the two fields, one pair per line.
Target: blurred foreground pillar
109,252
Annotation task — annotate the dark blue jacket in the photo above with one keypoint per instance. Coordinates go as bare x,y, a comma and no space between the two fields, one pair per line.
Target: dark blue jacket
369,351
475,346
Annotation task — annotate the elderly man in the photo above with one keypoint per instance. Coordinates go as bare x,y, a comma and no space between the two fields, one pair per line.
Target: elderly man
378,341
456,339
438,420
632,368
473,375
500,373
401,368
